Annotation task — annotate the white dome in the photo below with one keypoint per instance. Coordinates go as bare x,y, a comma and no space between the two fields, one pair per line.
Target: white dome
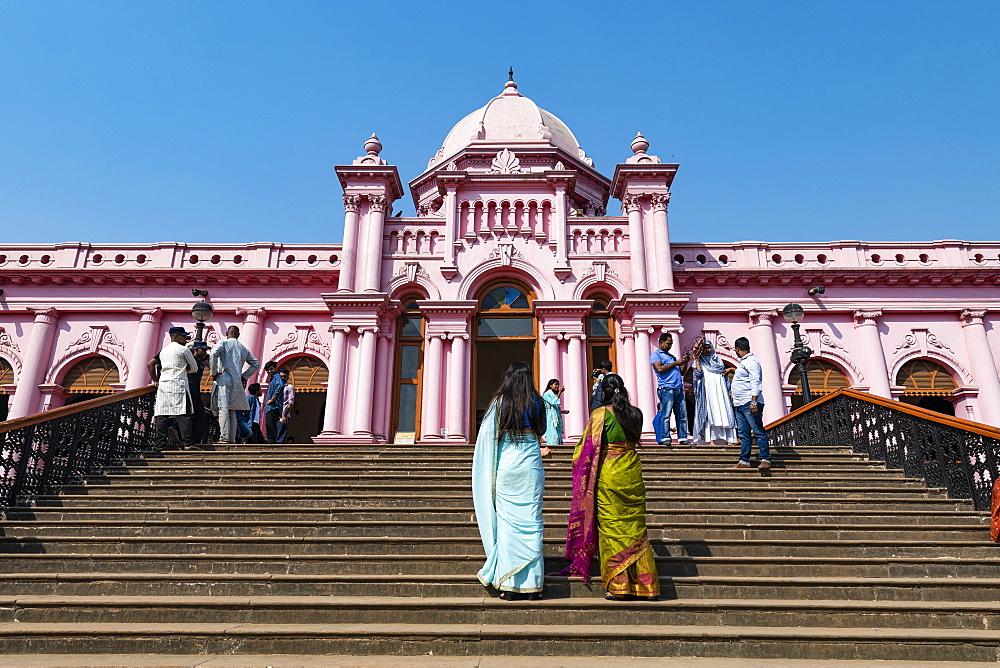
509,118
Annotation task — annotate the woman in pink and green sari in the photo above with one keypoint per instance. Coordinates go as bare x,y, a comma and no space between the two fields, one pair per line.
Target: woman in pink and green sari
608,511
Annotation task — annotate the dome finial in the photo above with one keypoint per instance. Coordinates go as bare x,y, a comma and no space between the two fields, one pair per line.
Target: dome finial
373,145
639,144
510,73
510,88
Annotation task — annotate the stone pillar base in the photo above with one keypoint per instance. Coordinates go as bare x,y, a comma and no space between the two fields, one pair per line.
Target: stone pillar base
330,438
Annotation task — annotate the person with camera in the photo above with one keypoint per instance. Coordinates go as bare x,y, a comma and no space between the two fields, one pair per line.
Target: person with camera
596,394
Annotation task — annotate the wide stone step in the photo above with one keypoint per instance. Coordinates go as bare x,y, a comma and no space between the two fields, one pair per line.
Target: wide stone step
54,609
387,564
418,528
246,584
500,639
875,545
256,503
555,513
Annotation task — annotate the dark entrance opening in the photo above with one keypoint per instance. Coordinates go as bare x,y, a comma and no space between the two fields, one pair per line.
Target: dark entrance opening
492,360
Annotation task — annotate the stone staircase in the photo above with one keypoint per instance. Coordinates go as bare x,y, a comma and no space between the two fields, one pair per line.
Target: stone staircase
340,550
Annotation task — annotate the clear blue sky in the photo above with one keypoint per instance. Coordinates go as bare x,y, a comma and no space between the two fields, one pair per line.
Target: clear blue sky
221,121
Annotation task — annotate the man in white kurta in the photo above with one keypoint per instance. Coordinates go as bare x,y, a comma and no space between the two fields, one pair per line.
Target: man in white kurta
173,398
228,396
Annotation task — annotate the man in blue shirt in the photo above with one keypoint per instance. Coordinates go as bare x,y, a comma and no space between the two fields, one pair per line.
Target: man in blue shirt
670,390
273,401
748,404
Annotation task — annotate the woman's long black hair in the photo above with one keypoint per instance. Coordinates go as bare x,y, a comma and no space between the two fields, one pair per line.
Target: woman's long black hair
519,401
616,396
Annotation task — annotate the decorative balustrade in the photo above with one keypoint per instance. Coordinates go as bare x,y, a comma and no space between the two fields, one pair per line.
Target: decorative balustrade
837,255
163,256
957,455
39,452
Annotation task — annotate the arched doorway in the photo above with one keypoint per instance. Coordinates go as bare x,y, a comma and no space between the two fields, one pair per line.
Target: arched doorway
505,333
824,378
6,378
408,369
89,379
928,385
309,377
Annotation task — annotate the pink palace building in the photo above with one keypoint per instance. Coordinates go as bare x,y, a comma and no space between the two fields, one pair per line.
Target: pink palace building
406,326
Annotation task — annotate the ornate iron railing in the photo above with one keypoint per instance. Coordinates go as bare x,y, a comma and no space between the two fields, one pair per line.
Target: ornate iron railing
958,455
41,451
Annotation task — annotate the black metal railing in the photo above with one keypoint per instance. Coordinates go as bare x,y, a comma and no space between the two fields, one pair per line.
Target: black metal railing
42,451
958,455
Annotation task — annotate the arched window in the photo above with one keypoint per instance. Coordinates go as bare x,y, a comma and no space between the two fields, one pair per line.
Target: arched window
505,312
824,378
6,374
90,378
928,385
307,374
409,365
600,333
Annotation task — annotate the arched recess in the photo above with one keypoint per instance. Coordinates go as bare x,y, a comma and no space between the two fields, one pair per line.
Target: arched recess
928,384
6,378
493,271
825,377
600,332
407,373
592,284
89,378
412,278
309,375
959,373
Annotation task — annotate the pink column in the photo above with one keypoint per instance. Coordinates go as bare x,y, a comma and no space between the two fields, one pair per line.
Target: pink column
576,399
636,244
664,267
644,382
872,354
627,363
335,387
430,408
252,336
764,347
36,362
349,249
550,355
373,247
984,366
458,379
383,355
145,338
364,398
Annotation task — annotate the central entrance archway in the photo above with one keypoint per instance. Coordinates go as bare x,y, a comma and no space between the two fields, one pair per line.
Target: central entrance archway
505,332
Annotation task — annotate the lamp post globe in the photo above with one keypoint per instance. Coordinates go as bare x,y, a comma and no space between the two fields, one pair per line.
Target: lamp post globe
201,312
801,353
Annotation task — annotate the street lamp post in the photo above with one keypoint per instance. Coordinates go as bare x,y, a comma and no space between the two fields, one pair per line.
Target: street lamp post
801,353
201,312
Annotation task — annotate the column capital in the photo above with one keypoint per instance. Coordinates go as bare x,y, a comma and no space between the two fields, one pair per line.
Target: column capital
48,315
761,317
630,203
251,314
368,329
377,202
864,317
351,202
972,317
152,315
343,329
660,201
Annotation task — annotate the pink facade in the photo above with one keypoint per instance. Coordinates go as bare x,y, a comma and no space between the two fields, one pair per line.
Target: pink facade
509,199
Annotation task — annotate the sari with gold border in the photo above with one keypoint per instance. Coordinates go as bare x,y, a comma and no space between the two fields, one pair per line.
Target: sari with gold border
608,511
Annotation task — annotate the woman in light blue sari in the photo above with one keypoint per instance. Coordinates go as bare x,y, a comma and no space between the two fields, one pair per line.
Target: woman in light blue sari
554,412
507,485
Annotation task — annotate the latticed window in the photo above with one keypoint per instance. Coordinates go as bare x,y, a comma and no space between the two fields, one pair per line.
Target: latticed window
307,374
824,378
94,375
924,378
6,374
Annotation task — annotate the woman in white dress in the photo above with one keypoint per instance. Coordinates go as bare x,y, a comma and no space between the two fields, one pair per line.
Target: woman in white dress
713,411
